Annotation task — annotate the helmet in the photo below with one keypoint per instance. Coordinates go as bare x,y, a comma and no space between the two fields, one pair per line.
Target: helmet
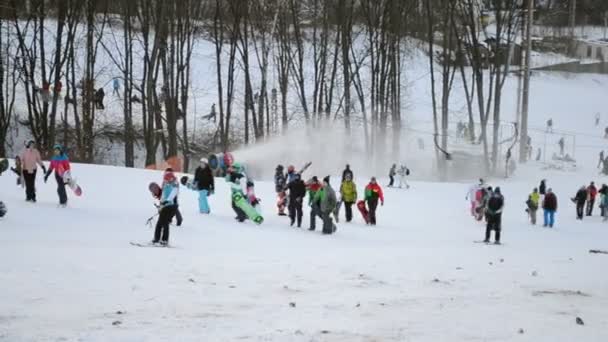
2,209
291,168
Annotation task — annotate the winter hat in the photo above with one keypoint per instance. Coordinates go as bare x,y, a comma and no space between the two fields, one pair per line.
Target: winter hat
204,161
550,190
279,167
30,143
326,180
497,190
169,176
315,179
58,147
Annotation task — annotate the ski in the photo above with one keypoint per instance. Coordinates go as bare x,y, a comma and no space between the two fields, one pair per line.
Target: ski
147,244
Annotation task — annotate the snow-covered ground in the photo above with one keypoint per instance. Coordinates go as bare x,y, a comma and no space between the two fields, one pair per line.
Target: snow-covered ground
71,274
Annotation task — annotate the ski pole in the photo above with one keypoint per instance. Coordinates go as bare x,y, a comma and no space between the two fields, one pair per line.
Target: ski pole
149,221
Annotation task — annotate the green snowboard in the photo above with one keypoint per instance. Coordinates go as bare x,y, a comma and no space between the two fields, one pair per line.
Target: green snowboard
252,214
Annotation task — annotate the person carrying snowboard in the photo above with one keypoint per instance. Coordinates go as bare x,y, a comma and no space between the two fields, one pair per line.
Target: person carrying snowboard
205,184
327,203
60,164
297,192
592,194
549,208
472,196
533,203
373,193
233,177
391,175
280,184
30,160
348,191
291,174
580,198
494,208
347,173
167,208
315,206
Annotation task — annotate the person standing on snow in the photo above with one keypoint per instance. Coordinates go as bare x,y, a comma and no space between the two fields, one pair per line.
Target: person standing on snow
30,159
373,193
550,126
205,184
347,173
403,172
603,192
348,191
549,208
601,161
116,87
315,206
494,216
561,144
291,174
597,119
532,203
592,194
391,175
167,208
60,164
472,196
280,184
542,189
297,192
580,198
327,203
233,177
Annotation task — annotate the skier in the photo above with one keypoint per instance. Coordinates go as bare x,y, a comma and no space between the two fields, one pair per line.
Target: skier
550,126
205,184
403,171
348,191
178,215
494,216
391,175
313,188
297,192
60,164
347,172
532,203
472,196
30,159
373,193
549,208
167,208
327,203
279,186
561,144
580,198
116,87
601,161
99,96
592,194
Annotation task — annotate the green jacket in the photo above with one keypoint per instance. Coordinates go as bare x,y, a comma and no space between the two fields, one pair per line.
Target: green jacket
348,190
327,198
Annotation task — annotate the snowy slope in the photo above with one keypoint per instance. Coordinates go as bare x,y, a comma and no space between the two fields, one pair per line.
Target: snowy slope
417,276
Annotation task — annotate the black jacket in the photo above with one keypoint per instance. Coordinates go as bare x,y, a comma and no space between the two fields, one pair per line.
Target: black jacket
297,189
581,196
542,189
495,204
204,178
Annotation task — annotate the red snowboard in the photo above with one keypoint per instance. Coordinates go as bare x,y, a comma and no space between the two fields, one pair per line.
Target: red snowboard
363,209
155,190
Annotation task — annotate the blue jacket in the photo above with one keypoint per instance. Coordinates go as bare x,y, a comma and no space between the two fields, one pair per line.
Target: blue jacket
169,194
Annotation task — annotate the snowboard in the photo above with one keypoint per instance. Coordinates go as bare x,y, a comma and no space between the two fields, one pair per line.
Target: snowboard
241,202
71,183
148,244
363,210
3,165
487,243
188,183
155,190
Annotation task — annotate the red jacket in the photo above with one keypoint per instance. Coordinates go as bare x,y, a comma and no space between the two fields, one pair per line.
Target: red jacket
374,191
592,191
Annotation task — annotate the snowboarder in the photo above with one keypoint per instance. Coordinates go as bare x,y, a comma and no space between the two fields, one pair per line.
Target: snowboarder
580,198
297,192
167,208
592,194
494,216
550,126
373,193
549,208
291,174
99,96
601,161
116,87
561,144
327,204
211,115
313,188
347,172
30,159
280,185
403,172
348,191
472,196
391,175
60,164
205,184
532,205
233,177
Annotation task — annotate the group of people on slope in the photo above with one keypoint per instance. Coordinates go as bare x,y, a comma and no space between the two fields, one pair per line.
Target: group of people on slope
544,198
487,202
323,200
402,172
26,169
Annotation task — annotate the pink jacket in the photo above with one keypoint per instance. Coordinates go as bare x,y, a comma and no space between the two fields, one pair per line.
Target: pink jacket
30,159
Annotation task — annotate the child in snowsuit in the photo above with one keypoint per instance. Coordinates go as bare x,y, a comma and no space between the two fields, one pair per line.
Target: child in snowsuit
391,175
348,191
373,193
280,183
532,203
167,208
315,206
494,216
205,184
297,191
60,164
